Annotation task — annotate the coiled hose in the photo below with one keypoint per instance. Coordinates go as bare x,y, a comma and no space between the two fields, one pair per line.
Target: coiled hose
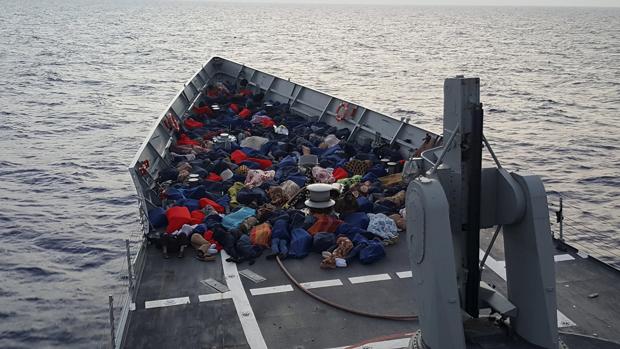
342,307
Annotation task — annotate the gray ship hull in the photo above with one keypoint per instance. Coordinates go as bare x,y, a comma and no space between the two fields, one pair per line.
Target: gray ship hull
171,303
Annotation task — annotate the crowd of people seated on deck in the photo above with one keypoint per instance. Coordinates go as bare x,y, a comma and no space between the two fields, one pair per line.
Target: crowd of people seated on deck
250,177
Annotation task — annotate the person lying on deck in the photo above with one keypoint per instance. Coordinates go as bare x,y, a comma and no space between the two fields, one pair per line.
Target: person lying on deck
266,176
216,93
205,250
244,91
174,241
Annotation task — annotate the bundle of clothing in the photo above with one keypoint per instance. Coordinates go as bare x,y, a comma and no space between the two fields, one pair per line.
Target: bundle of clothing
235,183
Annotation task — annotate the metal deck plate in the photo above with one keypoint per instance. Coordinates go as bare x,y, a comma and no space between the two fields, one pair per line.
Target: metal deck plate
216,285
252,276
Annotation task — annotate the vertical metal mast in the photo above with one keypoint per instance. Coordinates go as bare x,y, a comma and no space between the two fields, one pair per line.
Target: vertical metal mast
471,149
460,176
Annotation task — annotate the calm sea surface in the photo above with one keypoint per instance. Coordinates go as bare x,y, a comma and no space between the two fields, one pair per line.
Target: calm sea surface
82,82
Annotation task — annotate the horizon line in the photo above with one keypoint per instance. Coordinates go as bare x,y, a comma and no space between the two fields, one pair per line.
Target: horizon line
327,2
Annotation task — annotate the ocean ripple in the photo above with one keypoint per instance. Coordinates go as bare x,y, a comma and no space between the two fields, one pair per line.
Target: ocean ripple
81,92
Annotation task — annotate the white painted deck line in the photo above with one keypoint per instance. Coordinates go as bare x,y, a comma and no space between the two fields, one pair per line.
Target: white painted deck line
499,268
252,332
564,321
271,289
321,284
563,257
214,296
161,303
369,278
404,274
389,344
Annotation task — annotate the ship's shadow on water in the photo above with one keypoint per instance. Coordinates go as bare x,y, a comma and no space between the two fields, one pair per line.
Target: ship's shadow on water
81,85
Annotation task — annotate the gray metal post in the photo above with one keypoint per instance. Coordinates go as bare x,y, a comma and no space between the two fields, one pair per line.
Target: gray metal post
112,339
129,271
561,220
530,269
461,180
431,252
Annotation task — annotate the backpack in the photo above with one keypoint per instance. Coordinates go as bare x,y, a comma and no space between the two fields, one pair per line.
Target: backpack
301,243
157,217
323,241
372,253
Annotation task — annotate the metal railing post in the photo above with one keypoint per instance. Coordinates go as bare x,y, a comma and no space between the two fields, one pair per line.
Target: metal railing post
561,220
129,270
112,339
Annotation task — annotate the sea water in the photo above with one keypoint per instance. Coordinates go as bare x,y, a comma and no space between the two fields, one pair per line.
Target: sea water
81,83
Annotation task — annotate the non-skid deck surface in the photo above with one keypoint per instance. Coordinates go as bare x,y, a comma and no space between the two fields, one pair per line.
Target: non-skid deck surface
169,312
587,291
287,318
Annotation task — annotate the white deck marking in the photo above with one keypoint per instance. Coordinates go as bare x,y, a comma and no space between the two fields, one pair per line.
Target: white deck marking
388,344
563,257
564,321
160,303
369,278
214,296
271,289
404,274
245,313
499,268
320,284
582,254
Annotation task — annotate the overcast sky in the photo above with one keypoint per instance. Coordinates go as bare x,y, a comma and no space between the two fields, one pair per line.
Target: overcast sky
614,3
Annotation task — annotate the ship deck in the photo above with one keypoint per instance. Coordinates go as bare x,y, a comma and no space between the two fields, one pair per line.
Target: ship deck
174,309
